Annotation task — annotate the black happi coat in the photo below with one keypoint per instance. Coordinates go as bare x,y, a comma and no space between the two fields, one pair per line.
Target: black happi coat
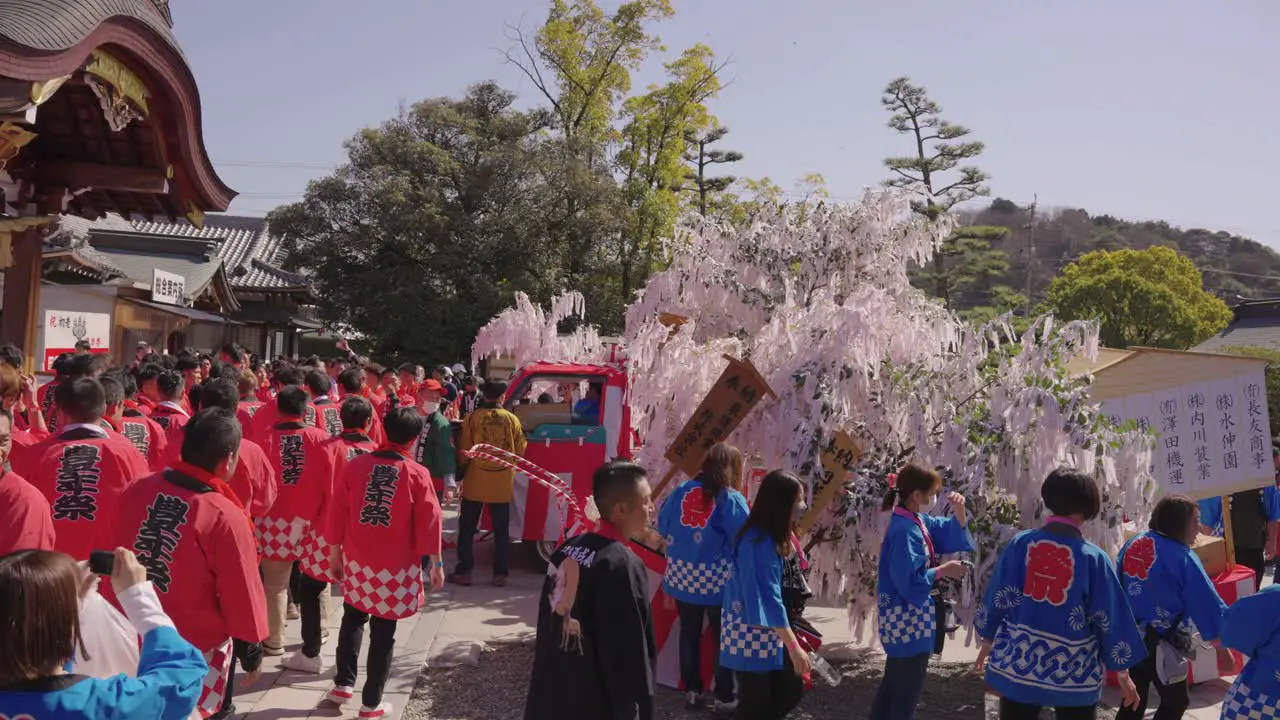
612,678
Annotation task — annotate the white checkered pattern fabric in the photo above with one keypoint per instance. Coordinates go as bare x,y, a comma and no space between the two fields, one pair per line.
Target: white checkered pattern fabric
748,641
315,556
383,593
280,538
1241,703
904,624
702,579
214,690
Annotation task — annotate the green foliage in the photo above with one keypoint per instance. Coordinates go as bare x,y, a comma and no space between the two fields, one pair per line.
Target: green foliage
1273,377
431,211
708,191
1151,297
966,259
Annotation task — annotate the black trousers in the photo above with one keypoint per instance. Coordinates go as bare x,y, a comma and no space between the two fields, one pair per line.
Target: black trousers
382,643
469,521
308,598
768,695
1255,560
900,688
691,618
295,577
1174,699
1010,710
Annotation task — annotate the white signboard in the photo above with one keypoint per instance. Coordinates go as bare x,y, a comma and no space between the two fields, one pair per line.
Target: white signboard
1212,438
64,328
168,288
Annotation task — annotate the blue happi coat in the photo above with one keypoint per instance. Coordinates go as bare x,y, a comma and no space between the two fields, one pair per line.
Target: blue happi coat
1056,617
753,605
170,676
1211,509
908,618
699,541
1252,626
1168,587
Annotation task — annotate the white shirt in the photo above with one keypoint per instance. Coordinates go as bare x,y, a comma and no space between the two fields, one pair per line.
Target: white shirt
93,427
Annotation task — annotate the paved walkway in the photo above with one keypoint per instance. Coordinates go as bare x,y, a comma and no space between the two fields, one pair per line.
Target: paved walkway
458,621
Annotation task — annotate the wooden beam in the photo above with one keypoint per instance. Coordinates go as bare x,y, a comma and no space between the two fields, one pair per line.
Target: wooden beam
117,178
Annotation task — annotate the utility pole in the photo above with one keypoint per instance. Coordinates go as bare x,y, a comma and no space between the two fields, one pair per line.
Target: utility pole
1031,252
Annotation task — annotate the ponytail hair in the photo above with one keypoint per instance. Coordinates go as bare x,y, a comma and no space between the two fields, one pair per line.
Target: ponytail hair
910,479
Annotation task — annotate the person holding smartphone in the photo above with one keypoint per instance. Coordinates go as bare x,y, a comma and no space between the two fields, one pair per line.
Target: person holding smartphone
40,600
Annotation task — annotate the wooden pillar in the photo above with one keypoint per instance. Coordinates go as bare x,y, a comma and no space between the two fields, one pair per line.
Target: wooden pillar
20,319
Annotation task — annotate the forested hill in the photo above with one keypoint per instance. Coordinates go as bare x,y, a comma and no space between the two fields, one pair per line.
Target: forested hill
1062,235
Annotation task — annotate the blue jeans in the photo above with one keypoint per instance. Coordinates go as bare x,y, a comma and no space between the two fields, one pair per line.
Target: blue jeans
691,617
901,687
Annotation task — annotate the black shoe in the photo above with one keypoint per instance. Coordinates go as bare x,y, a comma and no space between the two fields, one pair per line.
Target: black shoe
224,714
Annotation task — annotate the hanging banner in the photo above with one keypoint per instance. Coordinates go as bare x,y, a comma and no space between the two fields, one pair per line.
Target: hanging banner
838,460
737,392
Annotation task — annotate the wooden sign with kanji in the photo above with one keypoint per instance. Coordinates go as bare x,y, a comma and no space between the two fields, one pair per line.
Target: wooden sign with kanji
838,459
739,389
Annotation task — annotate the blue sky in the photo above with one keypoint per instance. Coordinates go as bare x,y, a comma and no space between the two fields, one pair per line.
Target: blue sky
1140,109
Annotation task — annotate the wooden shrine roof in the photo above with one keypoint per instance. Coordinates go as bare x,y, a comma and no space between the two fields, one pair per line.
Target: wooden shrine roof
157,165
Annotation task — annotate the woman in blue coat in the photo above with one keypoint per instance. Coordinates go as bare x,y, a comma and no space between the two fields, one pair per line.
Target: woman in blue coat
1254,516
1055,617
909,572
756,639
1173,600
1252,626
39,602
699,521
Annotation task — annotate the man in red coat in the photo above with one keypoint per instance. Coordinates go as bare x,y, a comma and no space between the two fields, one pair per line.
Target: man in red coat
254,480
249,404
141,431
82,470
355,440
304,462
352,381
193,534
266,418
328,414
172,411
26,522
384,521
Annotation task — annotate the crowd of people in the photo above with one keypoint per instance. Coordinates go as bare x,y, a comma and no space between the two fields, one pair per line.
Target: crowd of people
235,495
161,524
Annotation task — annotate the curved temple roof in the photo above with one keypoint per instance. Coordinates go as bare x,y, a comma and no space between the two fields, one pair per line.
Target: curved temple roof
41,40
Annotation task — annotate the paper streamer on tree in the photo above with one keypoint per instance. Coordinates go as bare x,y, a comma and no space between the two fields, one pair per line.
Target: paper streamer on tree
576,520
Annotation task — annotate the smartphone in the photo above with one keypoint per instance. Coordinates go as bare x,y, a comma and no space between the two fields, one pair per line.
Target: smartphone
102,562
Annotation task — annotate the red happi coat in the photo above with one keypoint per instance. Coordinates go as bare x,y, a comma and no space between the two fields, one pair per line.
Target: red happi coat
351,445
254,481
245,412
386,518
82,474
268,417
147,436
144,404
199,552
303,460
44,398
26,522
329,416
170,418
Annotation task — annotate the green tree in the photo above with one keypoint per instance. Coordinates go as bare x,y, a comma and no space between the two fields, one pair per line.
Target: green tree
1152,298
436,211
966,259
702,158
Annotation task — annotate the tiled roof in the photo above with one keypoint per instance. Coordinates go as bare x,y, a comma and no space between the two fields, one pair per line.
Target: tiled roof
250,253
53,25
1256,323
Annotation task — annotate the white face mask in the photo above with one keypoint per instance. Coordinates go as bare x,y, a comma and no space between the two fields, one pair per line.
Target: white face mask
429,407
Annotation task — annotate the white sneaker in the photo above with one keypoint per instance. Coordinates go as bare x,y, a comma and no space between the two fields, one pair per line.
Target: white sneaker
721,707
384,709
303,664
341,694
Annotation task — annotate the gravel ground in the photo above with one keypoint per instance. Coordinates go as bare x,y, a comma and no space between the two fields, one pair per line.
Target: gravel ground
497,688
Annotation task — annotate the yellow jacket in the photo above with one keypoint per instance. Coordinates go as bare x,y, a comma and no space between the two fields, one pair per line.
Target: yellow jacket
486,481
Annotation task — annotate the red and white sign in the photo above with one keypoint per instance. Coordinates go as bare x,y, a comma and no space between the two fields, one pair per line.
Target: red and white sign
64,328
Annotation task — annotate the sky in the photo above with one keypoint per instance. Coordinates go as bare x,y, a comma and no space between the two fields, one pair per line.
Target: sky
1142,109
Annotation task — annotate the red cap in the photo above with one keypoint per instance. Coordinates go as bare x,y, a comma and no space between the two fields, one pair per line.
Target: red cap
431,385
